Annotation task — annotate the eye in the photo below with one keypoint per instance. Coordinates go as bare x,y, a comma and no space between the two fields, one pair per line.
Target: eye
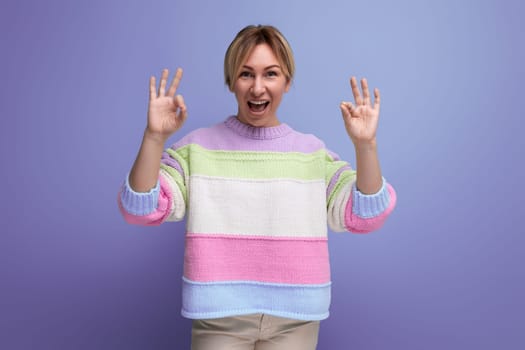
245,74
272,73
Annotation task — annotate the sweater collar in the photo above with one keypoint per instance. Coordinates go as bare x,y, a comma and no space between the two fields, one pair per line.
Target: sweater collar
258,133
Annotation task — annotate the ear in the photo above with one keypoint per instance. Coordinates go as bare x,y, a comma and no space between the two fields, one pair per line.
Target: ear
288,85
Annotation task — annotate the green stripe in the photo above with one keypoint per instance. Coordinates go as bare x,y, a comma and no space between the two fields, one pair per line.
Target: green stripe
345,177
252,164
332,168
176,176
181,156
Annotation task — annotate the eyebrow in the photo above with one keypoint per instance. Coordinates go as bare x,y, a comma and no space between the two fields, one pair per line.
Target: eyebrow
269,67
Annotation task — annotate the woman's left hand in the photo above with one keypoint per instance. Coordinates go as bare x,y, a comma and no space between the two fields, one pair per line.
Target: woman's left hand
362,118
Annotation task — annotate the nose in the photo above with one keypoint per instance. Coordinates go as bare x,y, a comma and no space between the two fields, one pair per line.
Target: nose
257,88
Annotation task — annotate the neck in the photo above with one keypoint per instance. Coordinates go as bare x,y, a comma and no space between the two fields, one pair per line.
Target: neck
262,123
257,132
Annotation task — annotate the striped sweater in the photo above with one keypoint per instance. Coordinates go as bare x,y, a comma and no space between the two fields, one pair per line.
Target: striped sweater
257,203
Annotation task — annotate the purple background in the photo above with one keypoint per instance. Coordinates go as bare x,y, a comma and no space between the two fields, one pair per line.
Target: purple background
445,272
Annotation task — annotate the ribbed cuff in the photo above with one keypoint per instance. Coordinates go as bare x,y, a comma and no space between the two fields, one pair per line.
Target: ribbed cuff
139,203
370,205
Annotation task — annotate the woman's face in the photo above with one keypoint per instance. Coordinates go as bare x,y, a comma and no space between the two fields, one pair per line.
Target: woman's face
259,88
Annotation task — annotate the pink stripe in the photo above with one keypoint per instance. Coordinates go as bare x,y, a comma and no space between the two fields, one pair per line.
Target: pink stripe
357,224
211,258
158,216
261,238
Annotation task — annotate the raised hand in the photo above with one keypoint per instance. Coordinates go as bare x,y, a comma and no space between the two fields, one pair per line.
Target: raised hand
362,118
166,114
166,111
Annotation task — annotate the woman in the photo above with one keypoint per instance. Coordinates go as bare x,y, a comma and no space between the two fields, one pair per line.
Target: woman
258,195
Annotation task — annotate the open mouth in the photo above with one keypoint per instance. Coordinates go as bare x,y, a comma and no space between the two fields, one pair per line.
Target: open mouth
258,106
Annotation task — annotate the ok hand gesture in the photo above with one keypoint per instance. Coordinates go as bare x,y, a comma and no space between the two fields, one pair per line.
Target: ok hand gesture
166,111
362,118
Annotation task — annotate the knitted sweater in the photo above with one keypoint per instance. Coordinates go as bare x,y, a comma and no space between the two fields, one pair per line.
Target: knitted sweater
257,202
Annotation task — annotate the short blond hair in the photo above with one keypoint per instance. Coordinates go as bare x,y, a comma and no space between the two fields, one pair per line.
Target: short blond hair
246,40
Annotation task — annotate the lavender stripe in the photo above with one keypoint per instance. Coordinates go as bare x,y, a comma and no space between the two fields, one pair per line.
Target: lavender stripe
234,136
335,179
334,155
169,161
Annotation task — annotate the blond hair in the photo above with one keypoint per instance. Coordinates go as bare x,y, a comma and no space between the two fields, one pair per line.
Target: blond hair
246,40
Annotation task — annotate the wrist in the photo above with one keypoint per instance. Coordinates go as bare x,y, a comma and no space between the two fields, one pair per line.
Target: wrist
155,137
365,146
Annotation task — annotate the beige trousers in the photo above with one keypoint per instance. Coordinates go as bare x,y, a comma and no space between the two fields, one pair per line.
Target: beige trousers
254,332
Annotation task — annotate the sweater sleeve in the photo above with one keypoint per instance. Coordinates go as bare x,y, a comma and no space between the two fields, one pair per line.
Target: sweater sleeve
165,202
348,208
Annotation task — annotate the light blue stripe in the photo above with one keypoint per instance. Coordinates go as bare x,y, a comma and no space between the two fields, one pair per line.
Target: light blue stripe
139,203
224,299
369,206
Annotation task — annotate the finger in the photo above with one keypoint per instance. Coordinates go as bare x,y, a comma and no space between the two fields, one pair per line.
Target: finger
366,93
346,109
175,83
355,91
183,112
163,79
377,99
152,89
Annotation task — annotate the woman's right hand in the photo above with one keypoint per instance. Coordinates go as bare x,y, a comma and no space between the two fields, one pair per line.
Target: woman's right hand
166,111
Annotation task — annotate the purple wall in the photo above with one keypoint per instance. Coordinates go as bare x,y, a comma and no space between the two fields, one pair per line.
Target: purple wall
446,272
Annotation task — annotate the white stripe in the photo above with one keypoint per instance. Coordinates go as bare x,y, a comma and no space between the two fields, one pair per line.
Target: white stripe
178,207
336,210
276,207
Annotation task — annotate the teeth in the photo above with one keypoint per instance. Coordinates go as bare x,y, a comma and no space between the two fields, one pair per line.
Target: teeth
258,102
